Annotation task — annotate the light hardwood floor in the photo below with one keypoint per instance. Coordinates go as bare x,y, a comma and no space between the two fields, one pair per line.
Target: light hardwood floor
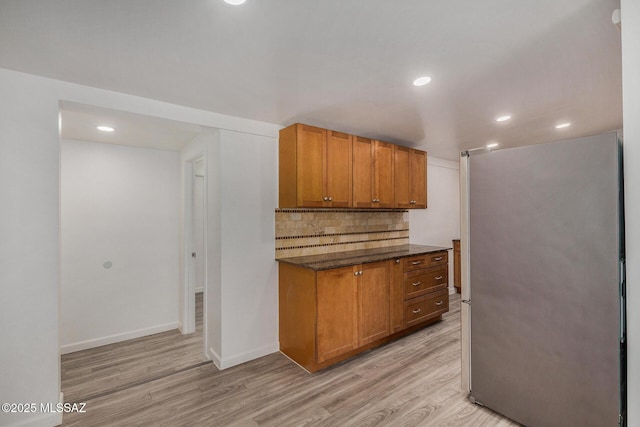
414,381
103,370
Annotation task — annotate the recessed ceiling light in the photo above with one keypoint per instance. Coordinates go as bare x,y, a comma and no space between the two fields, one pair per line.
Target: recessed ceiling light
492,145
105,128
235,2
421,81
563,125
503,118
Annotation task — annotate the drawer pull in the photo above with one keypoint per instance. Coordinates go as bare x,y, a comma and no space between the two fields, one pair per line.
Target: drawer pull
417,283
416,311
439,277
416,263
439,302
438,258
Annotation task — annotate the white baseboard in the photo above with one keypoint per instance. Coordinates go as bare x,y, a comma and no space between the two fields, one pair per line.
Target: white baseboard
110,339
200,289
242,357
452,290
214,357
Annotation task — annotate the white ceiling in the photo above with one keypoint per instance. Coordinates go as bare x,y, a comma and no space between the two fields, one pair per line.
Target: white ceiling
79,122
344,65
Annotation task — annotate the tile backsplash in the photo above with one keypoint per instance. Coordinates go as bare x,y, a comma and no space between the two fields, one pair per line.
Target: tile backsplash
301,232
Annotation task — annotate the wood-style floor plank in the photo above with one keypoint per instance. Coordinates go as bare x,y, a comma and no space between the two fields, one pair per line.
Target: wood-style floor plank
414,381
102,370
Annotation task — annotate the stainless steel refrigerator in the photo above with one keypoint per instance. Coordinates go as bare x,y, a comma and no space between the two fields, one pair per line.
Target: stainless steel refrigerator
543,282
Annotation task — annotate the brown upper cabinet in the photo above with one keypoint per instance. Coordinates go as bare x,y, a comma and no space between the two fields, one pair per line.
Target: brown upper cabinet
410,178
315,167
372,173
321,168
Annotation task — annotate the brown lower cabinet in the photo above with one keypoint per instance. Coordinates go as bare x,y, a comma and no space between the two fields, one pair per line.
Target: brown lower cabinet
329,315
457,277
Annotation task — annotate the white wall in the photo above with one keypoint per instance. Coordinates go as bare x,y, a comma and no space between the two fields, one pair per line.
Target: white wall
120,205
29,226
630,13
440,222
248,197
29,254
241,290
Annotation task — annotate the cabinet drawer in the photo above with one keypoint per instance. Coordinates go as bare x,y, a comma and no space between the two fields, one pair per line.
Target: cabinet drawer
423,261
425,307
423,281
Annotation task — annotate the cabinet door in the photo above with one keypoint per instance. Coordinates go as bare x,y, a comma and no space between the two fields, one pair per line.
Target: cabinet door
373,302
383,175
402,177
338,166
362,172
397,295
418,180
337,331
310,153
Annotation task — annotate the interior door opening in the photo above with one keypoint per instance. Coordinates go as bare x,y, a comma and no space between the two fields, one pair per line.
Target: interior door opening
130,208
197,265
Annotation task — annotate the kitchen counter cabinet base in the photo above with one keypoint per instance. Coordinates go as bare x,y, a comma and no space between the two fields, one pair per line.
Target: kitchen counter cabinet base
321,312
297,313
456,265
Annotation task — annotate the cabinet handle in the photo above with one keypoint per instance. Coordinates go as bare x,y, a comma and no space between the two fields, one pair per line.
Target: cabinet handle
375,200
326,199
357,273
397,261
439,277
416,263
439,302
416,283
416,311
439,258
330,199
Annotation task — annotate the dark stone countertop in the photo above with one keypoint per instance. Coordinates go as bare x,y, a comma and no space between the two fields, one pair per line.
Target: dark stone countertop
363,256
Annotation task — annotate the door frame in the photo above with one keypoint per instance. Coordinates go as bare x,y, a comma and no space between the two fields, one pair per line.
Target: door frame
188,289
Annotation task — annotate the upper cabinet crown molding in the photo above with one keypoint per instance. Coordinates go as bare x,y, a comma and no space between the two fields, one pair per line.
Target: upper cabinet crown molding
321,168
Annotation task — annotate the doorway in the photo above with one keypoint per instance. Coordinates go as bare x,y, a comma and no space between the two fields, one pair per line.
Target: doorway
195,247
123,238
